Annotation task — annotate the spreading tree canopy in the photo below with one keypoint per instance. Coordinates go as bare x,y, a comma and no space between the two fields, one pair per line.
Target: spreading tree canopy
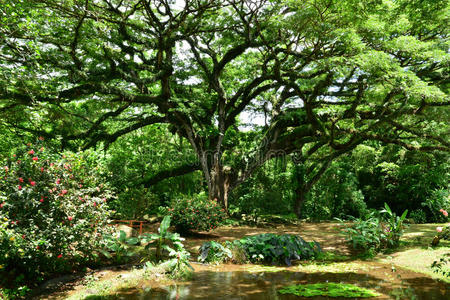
325,75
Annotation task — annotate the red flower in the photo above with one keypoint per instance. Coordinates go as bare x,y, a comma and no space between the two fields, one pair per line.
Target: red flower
42,169
32,183
37,247
58,181
6,169
69,218
23,236
41,149
20,187
95,204
1,204
64,192
35,158
29,144
31,152
60,256
41,138
20,179
42,200
80,185
14,155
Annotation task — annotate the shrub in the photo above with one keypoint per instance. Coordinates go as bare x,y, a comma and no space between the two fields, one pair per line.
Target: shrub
418,216
196,214
278,249
52,217
380,230
439,199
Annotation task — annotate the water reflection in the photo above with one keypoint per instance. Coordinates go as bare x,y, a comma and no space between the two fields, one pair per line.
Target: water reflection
234,285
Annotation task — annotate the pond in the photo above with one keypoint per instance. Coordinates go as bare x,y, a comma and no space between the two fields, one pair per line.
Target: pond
259,283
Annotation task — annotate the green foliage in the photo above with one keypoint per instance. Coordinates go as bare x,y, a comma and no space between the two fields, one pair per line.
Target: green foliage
163,240
418,216
52,214
277,249
120,246
328,290
215,252
197,214
378,230
439,266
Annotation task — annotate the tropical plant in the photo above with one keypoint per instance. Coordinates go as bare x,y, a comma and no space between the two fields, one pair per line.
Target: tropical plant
393,226
378,230
163,240
121,246
214,252
278,249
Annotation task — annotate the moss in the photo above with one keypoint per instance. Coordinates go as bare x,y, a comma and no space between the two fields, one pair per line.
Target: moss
329,290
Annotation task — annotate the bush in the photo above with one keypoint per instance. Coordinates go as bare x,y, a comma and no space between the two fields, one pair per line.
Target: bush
52,215
439,199
419,216
380,230
277,249
196,214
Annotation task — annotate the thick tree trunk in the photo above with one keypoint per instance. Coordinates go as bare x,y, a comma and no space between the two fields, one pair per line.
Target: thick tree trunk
300,195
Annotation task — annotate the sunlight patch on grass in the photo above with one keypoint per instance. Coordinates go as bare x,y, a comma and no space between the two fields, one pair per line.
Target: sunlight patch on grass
419,260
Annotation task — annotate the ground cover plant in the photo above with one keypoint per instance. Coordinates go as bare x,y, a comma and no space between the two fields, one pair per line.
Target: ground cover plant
330,289
261,248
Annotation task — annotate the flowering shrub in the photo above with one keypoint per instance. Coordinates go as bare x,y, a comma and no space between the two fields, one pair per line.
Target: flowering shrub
196,214
442,232
51,217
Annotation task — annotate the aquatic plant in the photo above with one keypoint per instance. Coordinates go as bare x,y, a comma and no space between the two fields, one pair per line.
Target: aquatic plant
329,289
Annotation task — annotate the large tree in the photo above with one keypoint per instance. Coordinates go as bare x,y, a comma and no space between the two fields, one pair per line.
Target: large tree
325,75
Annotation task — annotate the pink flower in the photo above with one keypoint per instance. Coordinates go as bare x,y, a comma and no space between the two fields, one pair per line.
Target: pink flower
41,138
32,183
6,169
20,179
35,158
58,181
69,218
1,204
42,169
20,187
31,152
14,155
63,192
41,149
52,164
439,229
95,204
445,213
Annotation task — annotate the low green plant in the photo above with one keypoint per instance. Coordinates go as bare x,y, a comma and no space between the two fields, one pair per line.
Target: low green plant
214,252
439,266
120,246
418,216
378,230
278,249
329,289
163,240
178,265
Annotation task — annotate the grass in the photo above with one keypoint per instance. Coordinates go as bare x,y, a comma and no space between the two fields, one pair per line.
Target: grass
108,287
415,253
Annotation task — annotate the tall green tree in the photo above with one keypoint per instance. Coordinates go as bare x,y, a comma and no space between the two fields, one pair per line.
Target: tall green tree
325,75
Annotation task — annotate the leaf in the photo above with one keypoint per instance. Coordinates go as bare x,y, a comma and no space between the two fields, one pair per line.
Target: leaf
165,224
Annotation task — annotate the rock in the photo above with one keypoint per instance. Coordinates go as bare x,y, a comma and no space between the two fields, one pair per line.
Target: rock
127,229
